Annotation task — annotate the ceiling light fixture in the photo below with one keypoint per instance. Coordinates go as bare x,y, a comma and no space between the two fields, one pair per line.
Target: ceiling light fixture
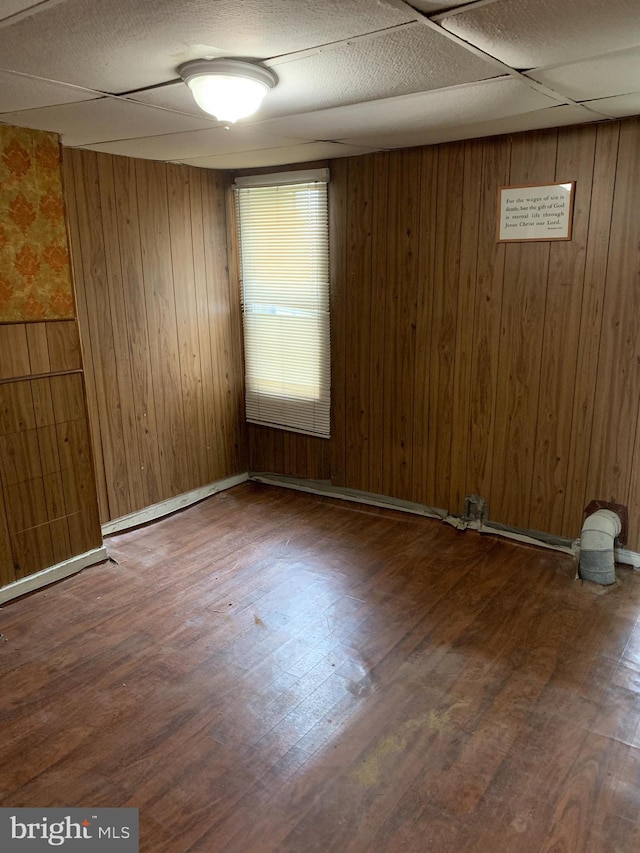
228,89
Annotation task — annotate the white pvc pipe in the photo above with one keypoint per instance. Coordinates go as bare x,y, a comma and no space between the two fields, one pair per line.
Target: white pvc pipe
597,538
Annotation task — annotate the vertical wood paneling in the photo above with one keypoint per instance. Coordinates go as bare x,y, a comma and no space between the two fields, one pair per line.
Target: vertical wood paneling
487,316
618,382
32,550
576,148
159,319
26,504
633,502
14,351
41,468
231,269
19,457
289,453
7,571
229,382
443,322
357,314
424,322
306,456
151,183
338,195
602,191
140,392
94,313
118,323
401,312
77,476
43,401
63,345
38,345
186,308
218,339
214,454
16,408
377,323
523,311
67,398
77,262
463,357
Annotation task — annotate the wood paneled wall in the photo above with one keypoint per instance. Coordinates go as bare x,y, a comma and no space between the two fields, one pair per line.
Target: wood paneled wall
463,366
48,508
288,453
159,324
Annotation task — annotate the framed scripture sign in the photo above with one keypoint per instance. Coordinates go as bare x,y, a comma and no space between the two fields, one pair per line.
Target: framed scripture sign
538,212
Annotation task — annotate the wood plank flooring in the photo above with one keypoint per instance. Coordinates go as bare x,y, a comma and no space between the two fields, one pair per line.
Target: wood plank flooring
274,671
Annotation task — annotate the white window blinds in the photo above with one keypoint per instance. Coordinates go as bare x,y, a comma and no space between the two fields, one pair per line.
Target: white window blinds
284,269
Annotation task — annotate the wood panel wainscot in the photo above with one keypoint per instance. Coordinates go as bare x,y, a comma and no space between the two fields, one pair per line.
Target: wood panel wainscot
48,504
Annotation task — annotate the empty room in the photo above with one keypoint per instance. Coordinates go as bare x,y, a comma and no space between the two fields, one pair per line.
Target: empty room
319,410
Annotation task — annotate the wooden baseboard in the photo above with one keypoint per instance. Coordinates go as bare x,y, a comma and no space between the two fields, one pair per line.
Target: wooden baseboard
326,489
151,513
531,537
627,558
52,574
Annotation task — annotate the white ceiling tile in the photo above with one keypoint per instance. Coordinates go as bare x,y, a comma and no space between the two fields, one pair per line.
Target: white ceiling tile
105,119
176,96
18,92
12,7
430,7
122,45
598,77
302,153
619,106
532,33
455,106
406,60
551,117
364,71
409,59
200,143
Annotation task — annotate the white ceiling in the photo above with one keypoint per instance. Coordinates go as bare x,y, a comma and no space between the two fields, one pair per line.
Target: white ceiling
353,75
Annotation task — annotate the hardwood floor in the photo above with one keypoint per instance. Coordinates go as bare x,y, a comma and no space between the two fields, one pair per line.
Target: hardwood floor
273,671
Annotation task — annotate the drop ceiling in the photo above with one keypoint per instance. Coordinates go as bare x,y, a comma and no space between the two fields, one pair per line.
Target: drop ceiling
353,75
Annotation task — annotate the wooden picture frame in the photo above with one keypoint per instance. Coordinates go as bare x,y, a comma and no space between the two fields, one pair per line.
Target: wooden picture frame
535,212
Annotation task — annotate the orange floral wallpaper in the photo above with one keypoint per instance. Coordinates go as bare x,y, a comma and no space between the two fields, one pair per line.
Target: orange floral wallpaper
35,272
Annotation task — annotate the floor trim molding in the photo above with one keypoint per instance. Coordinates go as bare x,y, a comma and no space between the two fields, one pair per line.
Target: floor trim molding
53,573
326,489
159,510
529,537
320,487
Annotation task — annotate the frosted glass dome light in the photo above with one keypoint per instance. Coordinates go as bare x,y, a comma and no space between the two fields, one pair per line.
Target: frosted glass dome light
227,89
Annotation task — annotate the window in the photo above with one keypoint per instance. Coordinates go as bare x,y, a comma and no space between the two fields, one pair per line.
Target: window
284,271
